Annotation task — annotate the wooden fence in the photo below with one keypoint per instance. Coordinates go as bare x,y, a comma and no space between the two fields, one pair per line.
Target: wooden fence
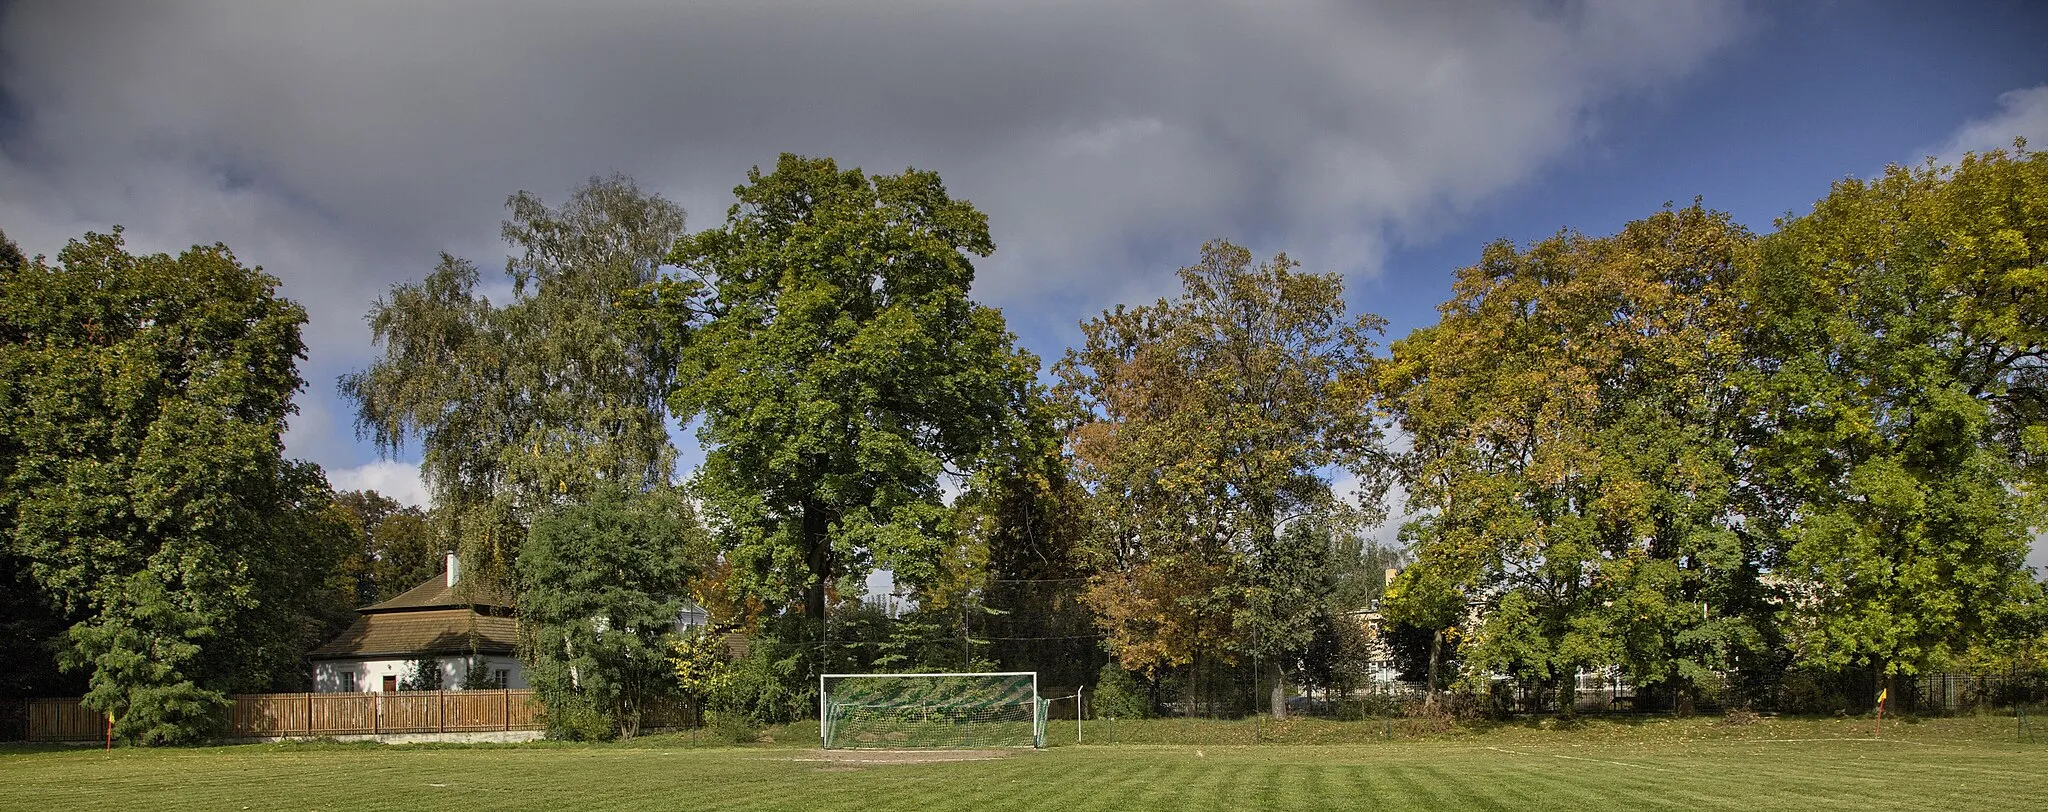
253,715
403,712
63,720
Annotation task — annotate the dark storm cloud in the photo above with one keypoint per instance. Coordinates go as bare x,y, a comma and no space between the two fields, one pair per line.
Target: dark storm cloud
341,144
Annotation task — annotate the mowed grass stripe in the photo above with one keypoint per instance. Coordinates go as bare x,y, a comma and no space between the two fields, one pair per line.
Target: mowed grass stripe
1546,783
1826,776
1818,775
1455,783
1791,780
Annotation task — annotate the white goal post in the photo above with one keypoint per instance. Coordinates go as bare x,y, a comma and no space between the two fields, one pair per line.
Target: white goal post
941,710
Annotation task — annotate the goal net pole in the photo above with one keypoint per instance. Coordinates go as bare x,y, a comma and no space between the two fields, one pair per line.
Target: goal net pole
1080,705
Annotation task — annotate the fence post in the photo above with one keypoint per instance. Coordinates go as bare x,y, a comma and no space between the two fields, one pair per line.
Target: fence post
507,696
376,710
309,715
440,711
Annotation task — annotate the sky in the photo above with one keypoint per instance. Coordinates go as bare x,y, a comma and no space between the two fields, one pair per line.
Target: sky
343,146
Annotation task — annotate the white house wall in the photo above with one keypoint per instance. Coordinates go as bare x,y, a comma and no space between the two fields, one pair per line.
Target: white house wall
370,674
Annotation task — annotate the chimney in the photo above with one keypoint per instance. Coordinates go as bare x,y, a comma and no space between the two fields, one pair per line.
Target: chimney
454,569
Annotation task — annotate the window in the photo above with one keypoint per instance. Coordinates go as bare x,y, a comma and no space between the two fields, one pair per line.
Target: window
692,618
348,682
502,678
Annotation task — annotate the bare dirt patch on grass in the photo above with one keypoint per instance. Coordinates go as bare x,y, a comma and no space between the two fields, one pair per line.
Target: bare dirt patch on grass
856,758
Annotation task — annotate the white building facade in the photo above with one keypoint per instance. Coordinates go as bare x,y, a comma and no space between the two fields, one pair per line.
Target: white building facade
440,635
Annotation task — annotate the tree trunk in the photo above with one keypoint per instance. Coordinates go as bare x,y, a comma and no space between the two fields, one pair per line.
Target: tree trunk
1279,692
1685,704
817,524
1436,646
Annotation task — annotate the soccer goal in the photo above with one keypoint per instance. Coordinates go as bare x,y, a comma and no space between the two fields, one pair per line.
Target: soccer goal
930,710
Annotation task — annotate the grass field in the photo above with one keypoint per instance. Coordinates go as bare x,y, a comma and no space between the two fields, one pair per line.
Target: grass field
1692,765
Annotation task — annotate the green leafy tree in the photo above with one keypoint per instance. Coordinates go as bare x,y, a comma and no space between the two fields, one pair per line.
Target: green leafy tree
143,402
1030,515
11,258
1575,448
30,621
1907,409
421,675
1119,696
601,587
535,403
842,369
1207,421
1420,621
396,546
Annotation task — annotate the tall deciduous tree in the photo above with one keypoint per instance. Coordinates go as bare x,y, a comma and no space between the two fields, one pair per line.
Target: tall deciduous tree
11,258
30,621
396,546
1574,438
1907,408
143,402
1031,516
842,369
601,587
1208,420
557,393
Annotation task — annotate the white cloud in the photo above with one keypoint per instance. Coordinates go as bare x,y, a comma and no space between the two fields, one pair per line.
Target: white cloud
397,480
2021,113
342,145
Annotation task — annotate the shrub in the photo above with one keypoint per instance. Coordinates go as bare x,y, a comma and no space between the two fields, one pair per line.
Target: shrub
573,717
731,727
1371,706
1119,696
757,687
421,675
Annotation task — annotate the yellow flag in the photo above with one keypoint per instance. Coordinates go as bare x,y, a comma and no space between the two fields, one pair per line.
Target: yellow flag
1881,694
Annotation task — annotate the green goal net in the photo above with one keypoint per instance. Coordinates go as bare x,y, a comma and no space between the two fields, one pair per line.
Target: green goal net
887,711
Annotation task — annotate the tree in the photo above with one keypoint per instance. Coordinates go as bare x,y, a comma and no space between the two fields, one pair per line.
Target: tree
421,675
1906,409
841,370
143,403
601,587
1029,514
30,621
1206,422
396,546
1288,584
1420,621
1575,449
11,258
523,407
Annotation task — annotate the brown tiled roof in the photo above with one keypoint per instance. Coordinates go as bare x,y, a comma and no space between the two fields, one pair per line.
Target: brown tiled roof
435,593
434,631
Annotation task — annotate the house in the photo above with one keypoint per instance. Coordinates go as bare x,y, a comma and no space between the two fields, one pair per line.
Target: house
469,635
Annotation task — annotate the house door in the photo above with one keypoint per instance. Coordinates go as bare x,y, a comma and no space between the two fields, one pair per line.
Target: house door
390,685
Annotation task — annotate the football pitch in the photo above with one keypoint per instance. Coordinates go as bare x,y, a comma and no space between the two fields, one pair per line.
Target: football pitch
1753,769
